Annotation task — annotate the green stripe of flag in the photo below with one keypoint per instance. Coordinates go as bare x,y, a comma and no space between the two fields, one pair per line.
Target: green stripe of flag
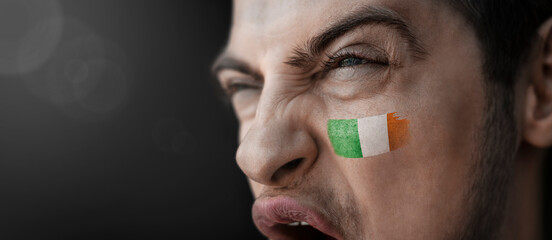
344,137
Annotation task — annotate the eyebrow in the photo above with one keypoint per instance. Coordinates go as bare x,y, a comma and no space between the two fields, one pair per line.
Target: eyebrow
224,61
304,56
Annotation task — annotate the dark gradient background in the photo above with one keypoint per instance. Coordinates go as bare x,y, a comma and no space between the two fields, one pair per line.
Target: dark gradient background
110,127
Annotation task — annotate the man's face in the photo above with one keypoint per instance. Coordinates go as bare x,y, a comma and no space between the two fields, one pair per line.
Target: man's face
290,66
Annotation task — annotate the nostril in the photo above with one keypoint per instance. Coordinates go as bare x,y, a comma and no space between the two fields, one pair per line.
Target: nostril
286,169
293,164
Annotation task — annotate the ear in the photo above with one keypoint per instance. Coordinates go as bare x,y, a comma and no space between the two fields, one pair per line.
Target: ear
538,115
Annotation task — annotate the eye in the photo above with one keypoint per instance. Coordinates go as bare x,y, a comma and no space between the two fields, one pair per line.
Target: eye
233,88
236,87
355,57
233,82
351,61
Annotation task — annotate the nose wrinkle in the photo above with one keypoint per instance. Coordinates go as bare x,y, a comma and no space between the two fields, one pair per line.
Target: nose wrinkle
278,147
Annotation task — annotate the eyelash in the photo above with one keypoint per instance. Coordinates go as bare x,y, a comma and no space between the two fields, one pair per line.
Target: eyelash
233,88
333,61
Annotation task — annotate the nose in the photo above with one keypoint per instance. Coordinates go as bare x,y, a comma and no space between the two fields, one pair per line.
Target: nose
277,149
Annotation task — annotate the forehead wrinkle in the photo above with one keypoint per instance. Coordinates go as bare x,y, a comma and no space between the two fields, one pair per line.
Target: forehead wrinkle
267,26
304,54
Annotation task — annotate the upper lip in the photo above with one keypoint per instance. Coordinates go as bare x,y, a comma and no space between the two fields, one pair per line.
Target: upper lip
271,216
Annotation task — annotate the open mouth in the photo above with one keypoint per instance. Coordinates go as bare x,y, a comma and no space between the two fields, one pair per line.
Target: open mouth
284,218
297,230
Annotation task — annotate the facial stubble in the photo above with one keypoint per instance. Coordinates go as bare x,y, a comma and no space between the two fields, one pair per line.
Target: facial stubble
492,168
492,161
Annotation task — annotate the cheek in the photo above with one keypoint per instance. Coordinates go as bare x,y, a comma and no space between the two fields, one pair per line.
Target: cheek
426,182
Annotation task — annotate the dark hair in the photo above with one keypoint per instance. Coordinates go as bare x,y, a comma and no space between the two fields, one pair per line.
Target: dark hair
507,31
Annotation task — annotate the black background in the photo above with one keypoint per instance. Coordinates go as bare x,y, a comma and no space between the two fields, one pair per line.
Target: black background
159,162
159,165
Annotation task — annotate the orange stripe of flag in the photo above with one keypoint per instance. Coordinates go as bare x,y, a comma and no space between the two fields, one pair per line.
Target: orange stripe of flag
398,131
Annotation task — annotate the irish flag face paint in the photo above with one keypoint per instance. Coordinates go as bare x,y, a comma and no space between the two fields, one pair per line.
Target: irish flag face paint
369,136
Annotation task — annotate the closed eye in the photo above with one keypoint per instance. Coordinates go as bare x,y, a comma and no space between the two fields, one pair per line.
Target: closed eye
236,86
233,88
351,59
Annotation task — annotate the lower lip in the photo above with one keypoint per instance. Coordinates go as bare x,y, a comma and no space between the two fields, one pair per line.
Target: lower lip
267,213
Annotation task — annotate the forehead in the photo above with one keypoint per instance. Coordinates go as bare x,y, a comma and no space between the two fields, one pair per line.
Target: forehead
266,25
259,13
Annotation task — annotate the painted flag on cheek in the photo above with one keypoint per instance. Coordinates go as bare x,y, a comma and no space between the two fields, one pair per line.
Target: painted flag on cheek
369,136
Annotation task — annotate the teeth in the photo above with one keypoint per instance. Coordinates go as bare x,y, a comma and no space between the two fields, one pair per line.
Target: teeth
295,224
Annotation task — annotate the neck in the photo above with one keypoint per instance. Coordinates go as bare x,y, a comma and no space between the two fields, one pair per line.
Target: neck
524,206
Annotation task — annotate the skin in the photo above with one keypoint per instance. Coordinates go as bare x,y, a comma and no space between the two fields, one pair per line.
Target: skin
421,190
